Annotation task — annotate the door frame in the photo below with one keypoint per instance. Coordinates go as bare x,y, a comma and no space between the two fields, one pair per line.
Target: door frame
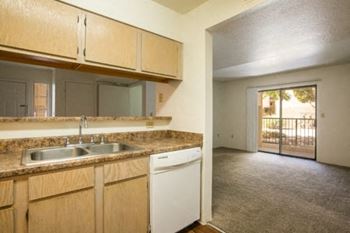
280,89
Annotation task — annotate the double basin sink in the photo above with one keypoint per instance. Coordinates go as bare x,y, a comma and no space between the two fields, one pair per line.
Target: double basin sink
71,152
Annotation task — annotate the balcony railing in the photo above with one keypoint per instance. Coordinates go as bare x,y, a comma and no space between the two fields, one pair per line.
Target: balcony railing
294,131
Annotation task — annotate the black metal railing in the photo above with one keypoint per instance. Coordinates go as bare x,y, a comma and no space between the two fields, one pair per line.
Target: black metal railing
294,131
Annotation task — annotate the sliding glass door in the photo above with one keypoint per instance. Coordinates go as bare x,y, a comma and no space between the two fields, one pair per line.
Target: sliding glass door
287,121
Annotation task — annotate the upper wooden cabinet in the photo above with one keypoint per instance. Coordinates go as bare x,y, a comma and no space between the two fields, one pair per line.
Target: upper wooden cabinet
51,33
43,26
160,55
110,42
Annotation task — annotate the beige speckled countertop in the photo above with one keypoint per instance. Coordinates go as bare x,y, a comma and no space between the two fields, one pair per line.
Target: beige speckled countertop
148,142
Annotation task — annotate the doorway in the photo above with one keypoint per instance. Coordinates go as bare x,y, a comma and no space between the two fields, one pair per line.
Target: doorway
287,121
13,101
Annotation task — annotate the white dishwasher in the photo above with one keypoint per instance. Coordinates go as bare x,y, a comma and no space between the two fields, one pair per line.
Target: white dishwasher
174,190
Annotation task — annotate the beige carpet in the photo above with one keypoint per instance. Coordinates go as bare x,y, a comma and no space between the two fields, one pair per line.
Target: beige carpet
257,192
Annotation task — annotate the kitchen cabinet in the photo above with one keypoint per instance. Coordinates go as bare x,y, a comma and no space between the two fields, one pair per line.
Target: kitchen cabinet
126,206
108,197
160,55
110,42
43,26
56,183
6,202
6,193
7,220
52,33
68,213
126,196
72,197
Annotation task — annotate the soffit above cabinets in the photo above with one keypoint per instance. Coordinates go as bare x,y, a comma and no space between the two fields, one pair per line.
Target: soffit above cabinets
282,35
181,6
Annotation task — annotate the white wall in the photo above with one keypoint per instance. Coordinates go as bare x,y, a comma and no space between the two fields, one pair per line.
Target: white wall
333,136
190,102
113,100
136,100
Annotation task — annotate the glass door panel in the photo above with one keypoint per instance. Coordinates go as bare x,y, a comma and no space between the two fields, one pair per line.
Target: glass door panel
269,121
299,122
287,121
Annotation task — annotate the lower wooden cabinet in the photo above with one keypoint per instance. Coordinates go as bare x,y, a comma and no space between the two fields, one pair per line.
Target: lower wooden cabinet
107,198
126,206
69,213
7,221
6,193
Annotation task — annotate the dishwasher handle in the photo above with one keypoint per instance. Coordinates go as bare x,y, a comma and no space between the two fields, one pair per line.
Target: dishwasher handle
173,167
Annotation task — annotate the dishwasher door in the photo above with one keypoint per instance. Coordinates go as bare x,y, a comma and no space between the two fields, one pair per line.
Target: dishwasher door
175,191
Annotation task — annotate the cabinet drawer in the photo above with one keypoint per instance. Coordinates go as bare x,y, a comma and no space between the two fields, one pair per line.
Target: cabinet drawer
6,193
60,182
125,169
6,221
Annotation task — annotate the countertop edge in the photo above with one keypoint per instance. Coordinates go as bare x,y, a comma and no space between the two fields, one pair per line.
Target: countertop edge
70,119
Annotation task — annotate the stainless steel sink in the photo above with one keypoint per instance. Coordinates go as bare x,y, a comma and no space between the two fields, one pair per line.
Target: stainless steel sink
109,148
71,152
57,153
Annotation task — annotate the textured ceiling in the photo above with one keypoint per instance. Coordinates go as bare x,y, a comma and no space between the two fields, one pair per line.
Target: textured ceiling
181,6
282,35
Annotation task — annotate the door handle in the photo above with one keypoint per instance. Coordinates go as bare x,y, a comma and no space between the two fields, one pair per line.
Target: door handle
26,108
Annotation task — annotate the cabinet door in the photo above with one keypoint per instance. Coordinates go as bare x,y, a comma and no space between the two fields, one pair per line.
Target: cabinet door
110,42
43,26
6,193
160,55
69,213
126,206
6,221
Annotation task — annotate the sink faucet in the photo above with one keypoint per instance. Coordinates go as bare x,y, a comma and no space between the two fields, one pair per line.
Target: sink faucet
83,123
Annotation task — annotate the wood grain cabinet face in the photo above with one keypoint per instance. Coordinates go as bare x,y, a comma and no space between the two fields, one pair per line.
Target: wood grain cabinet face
126,206
7,221
125,169
55,183
110,42
43,26
69,213
160,55
6,193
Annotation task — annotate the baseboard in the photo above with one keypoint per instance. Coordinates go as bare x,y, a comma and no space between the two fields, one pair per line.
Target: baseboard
216,228
230,148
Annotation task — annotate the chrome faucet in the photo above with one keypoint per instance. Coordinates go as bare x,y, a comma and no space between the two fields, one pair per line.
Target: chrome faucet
83,123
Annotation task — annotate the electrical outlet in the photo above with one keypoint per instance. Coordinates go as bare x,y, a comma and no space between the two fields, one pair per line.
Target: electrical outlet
160,97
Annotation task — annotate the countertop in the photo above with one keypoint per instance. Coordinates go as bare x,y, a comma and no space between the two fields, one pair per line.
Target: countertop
90,118
162,141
